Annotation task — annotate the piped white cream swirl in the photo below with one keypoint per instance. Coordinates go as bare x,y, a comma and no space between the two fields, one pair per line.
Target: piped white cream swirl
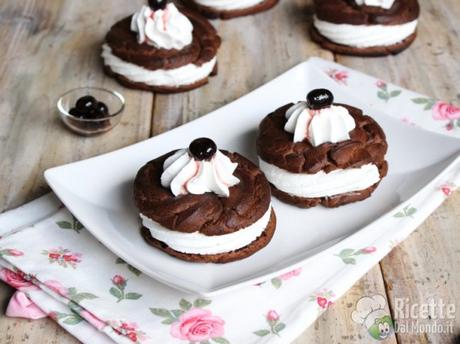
185,175
166,29
331,124
386,4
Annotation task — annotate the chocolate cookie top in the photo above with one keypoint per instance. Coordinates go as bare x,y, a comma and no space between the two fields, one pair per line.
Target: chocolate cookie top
347,12
208,213
203,48
367,144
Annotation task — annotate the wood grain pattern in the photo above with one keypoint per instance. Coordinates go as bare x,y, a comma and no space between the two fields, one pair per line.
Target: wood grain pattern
50,46
336,325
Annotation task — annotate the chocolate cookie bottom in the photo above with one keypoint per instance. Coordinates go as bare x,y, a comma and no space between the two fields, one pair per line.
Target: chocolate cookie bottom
213,13
220,258
332,201
158,89
369,52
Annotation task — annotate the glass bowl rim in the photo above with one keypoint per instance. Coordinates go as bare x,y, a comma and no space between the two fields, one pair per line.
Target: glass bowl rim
67,114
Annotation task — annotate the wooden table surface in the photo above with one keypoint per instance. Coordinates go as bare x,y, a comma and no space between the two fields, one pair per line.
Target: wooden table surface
50,46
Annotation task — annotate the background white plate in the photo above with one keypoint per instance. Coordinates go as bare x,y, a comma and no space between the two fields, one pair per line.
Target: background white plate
98,191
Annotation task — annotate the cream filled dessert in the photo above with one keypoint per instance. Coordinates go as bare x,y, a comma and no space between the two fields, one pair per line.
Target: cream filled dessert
162,48
226,9
365,27
318,152
202,204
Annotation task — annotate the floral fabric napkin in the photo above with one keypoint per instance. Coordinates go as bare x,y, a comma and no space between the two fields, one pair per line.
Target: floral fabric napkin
411,108
63,272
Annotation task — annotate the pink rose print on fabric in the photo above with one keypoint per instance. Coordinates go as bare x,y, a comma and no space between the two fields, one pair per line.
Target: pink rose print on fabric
57,287
118,289
323,302
441,111
384,92
275,326
63,257
11,252
323,299
445,111
129,329
18,279
340,76
197,325
119,280
277,282
447,189
272,315
20,306
370,249
193,323
349,255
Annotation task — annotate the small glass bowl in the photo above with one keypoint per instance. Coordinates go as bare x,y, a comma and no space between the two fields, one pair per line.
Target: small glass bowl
87,127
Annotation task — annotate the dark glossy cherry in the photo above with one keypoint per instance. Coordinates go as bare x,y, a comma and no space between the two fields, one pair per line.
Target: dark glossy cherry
85,103
92,114
158,4
74,112
102,108
202,148
319,98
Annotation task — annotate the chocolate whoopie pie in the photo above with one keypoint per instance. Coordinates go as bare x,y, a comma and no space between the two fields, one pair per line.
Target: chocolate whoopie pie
162,48
365,27
205,205
227,9
319,152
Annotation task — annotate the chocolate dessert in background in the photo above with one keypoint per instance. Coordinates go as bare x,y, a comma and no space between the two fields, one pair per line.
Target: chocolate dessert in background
365,27
162,48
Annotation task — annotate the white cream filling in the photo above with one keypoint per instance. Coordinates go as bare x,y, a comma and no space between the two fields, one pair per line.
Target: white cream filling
228,5
364,36
198,243
185,75
321,184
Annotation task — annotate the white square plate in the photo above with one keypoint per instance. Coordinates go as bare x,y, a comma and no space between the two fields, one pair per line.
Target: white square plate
98,191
